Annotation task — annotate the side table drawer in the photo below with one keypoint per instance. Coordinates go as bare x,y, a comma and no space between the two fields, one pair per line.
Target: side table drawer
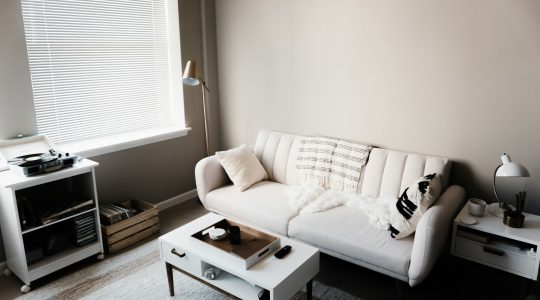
181,259
504,257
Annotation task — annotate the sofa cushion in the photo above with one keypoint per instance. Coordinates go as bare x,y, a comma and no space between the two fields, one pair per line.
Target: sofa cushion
264,204
242,166
346,230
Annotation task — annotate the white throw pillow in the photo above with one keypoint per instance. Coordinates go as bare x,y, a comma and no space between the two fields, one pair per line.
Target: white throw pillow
412,205
242,166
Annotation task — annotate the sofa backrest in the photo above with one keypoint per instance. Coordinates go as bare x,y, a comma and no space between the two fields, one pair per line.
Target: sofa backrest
387,172
277,152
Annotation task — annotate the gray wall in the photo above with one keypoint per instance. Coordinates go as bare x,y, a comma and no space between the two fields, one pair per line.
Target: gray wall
151,173
16,102
454,78
159,171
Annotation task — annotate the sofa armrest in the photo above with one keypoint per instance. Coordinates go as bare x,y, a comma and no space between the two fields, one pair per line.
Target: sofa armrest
209,175
432,231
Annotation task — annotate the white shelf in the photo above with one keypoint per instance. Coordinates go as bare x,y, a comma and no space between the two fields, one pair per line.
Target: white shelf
57,221
62,259
529,233
234,285
16,181
78,179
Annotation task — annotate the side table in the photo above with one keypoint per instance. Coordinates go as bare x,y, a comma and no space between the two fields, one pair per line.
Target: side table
490,242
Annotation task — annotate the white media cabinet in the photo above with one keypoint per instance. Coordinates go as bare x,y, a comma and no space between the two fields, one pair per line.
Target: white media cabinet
79,179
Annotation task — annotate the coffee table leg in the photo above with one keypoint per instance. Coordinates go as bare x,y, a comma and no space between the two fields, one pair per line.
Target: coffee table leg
170,278
309,290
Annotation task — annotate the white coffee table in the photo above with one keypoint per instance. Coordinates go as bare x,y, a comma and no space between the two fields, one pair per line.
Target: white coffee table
283,278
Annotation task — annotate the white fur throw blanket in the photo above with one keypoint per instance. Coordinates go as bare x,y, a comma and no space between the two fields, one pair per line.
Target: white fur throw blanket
331,163
308,198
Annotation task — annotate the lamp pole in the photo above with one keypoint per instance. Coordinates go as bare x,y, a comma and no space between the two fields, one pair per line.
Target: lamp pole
203,88
502,205
191,78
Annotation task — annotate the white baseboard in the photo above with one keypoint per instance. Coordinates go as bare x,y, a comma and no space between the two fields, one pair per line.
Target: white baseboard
177,199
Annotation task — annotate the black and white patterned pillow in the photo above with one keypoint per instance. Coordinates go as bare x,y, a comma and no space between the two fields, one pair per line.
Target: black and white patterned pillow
412,205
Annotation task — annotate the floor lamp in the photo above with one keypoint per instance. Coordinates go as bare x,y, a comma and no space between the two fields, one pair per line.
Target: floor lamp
191,78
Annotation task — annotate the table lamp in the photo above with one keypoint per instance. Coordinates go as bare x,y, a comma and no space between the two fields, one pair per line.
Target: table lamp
191,78
506,169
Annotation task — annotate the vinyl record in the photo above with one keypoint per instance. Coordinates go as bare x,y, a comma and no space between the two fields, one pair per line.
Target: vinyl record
32,159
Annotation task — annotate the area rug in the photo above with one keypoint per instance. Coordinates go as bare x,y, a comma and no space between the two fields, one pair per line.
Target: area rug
139,274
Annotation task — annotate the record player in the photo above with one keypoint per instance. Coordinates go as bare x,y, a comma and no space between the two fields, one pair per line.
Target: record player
34,155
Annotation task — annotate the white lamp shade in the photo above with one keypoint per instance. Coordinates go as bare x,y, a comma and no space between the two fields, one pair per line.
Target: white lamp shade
511,169
190,74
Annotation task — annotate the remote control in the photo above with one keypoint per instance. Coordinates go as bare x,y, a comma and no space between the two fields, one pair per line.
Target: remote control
283,251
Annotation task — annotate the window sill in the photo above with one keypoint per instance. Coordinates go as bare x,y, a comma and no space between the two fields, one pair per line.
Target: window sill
115,143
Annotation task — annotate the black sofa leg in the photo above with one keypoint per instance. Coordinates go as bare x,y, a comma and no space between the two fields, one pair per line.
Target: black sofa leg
401,289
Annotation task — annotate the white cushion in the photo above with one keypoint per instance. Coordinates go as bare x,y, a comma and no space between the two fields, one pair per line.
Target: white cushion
264,204
242,166
346,230
412,205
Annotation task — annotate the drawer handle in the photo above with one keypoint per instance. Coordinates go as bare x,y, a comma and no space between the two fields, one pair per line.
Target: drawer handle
173,251
493,251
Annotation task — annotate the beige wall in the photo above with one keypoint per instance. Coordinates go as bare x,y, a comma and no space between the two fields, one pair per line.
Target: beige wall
454,78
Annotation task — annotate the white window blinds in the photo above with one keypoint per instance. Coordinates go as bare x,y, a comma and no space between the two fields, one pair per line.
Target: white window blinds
100,67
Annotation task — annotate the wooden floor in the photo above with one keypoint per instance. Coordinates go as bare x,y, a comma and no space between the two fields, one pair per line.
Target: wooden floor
452,278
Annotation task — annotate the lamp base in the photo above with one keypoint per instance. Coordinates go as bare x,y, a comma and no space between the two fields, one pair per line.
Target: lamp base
495,210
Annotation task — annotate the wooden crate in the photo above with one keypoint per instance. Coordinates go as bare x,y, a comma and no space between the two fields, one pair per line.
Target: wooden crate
127,232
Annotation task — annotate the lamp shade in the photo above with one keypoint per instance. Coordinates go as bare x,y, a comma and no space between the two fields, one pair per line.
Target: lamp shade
511,169
190,74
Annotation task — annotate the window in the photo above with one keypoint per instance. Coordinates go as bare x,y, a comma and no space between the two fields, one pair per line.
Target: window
104,70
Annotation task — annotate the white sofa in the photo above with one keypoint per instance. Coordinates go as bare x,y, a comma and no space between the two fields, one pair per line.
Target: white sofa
343,232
